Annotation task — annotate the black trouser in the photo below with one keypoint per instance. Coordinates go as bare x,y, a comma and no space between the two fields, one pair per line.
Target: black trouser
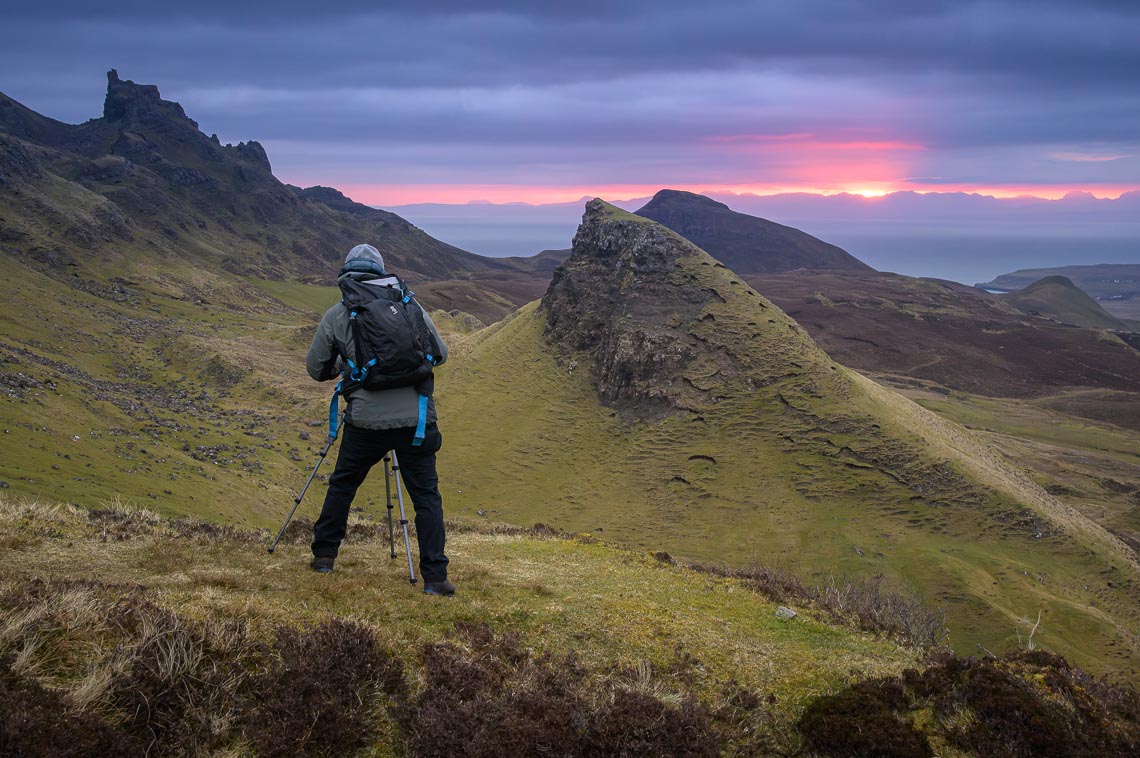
360,450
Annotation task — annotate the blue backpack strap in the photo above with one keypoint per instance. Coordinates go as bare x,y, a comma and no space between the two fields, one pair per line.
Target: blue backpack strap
421,422
334,412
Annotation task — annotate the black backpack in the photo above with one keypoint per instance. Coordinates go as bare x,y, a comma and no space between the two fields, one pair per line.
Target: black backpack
393,344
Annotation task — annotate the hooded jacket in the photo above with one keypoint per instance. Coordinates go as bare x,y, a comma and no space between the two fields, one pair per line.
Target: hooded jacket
368,409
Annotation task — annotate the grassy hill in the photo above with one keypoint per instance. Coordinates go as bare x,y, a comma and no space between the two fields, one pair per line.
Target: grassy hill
204,408
774,453
1056,297
1116,286
123,632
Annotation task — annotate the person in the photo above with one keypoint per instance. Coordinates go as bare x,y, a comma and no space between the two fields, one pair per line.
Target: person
375,422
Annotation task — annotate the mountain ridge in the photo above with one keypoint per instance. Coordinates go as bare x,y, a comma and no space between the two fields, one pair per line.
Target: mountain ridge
746,244
142,185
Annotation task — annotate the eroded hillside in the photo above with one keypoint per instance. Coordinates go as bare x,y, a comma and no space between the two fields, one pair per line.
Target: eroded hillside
657,398
142,196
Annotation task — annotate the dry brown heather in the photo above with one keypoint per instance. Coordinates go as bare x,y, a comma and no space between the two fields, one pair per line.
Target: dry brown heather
123,632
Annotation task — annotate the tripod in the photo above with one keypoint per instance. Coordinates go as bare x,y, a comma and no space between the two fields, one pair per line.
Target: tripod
394,470
391,467
297,500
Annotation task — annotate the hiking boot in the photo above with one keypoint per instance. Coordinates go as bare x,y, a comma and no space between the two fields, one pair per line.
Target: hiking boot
439,588
322,564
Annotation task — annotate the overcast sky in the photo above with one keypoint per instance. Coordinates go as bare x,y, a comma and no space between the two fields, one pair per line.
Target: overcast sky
452,101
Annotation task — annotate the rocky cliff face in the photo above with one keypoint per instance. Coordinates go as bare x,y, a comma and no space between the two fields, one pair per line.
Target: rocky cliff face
667,327
142,103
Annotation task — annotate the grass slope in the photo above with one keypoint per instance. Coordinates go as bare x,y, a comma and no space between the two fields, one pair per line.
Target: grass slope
1094,467
820,470
187,395
188,407
629,620
1056,297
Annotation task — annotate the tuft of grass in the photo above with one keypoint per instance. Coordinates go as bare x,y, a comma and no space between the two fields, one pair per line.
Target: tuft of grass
35,720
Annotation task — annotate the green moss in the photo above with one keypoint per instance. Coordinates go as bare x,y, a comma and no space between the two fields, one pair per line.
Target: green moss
305,297
614,213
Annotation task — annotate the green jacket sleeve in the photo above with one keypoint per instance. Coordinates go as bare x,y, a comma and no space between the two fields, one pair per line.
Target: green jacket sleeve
321,362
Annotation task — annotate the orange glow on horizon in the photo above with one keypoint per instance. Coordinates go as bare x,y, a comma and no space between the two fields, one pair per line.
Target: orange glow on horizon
866,163
384,195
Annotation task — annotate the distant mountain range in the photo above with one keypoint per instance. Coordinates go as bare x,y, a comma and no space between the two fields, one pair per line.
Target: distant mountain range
964,238
930,206
903,204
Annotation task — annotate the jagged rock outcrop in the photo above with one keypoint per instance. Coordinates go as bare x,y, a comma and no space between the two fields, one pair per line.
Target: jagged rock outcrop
667,327
254,153
140,103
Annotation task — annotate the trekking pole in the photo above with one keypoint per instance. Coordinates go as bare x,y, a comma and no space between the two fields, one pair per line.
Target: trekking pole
388,498
334,432
403,517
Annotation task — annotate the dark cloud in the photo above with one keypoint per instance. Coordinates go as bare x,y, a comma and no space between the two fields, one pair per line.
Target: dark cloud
509,85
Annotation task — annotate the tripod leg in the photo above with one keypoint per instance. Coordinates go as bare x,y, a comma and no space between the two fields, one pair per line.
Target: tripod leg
297,500
403,517
388,498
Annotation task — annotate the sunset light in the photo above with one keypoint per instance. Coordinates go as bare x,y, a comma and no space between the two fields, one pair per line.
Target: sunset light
439,378
868,192
383,195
